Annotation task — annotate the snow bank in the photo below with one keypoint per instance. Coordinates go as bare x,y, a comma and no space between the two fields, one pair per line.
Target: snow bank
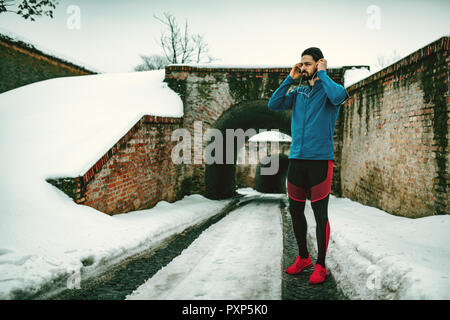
77,241
60,127
375,255
355,75
237,258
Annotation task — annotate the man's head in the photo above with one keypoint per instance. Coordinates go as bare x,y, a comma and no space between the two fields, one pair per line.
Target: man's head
309,62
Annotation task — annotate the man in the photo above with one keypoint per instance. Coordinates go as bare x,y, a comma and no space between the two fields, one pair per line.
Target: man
315,108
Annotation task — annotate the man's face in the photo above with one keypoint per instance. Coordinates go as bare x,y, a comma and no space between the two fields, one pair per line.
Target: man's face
308,67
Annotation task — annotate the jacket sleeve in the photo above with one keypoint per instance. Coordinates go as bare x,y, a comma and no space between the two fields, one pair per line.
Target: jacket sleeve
280,100
336,93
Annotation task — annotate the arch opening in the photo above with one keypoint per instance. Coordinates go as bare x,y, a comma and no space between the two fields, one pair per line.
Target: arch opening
220,178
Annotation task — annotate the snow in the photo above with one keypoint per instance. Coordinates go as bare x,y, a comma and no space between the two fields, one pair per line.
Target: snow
354,75
371,254
375,255
237,258
65,125
59,128
51,247
270,136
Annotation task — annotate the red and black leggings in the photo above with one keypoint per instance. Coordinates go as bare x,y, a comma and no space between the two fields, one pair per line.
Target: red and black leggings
315,175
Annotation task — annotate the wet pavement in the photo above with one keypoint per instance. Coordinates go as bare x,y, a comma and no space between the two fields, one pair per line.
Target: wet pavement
123,279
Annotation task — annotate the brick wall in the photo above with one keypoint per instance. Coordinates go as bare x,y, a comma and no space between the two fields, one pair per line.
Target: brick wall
394,133
136,172
22,64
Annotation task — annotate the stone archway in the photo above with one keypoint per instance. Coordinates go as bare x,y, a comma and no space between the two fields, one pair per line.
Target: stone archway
272,183
220,178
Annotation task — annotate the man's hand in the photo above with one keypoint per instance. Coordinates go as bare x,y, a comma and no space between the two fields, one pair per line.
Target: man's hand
322,65
296,72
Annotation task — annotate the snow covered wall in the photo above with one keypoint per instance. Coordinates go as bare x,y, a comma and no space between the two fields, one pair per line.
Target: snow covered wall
34,64
74,126
137,171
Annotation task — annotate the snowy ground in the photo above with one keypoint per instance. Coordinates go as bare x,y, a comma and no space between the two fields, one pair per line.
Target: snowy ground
60,127
371,254
237,258
375,255
77,249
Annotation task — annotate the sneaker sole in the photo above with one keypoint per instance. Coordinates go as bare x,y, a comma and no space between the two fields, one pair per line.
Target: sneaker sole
317,282
308,266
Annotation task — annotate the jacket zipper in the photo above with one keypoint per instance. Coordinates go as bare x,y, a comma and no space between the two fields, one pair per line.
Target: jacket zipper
304,117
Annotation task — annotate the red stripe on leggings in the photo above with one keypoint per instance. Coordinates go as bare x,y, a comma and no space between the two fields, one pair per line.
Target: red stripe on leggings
327,236
296,193
321,190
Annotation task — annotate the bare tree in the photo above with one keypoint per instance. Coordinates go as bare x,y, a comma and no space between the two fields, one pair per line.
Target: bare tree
186,45
384,61
153,62
178,46
170,43
201,47
28,9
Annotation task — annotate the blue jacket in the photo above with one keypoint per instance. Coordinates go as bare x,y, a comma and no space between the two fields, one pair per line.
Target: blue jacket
314,114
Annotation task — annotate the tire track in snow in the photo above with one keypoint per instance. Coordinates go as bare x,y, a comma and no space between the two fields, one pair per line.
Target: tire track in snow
239,257
122,279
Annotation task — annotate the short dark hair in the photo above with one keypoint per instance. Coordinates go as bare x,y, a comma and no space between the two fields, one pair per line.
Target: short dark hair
314,52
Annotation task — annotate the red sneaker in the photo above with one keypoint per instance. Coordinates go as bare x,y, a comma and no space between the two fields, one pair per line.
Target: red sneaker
319,274
299,265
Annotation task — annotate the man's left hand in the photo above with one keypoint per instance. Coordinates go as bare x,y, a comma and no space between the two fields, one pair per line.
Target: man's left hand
322,64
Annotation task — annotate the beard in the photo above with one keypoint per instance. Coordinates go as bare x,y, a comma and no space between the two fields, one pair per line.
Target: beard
308,76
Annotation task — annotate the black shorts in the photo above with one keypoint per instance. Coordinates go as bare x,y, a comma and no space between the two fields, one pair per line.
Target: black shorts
315,175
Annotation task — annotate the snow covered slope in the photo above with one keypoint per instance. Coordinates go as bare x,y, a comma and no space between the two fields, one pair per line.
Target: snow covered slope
60,127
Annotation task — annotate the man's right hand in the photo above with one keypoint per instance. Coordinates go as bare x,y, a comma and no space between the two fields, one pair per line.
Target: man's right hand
296,72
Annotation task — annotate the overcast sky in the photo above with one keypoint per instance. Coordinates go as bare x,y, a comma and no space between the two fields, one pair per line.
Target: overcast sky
114,33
